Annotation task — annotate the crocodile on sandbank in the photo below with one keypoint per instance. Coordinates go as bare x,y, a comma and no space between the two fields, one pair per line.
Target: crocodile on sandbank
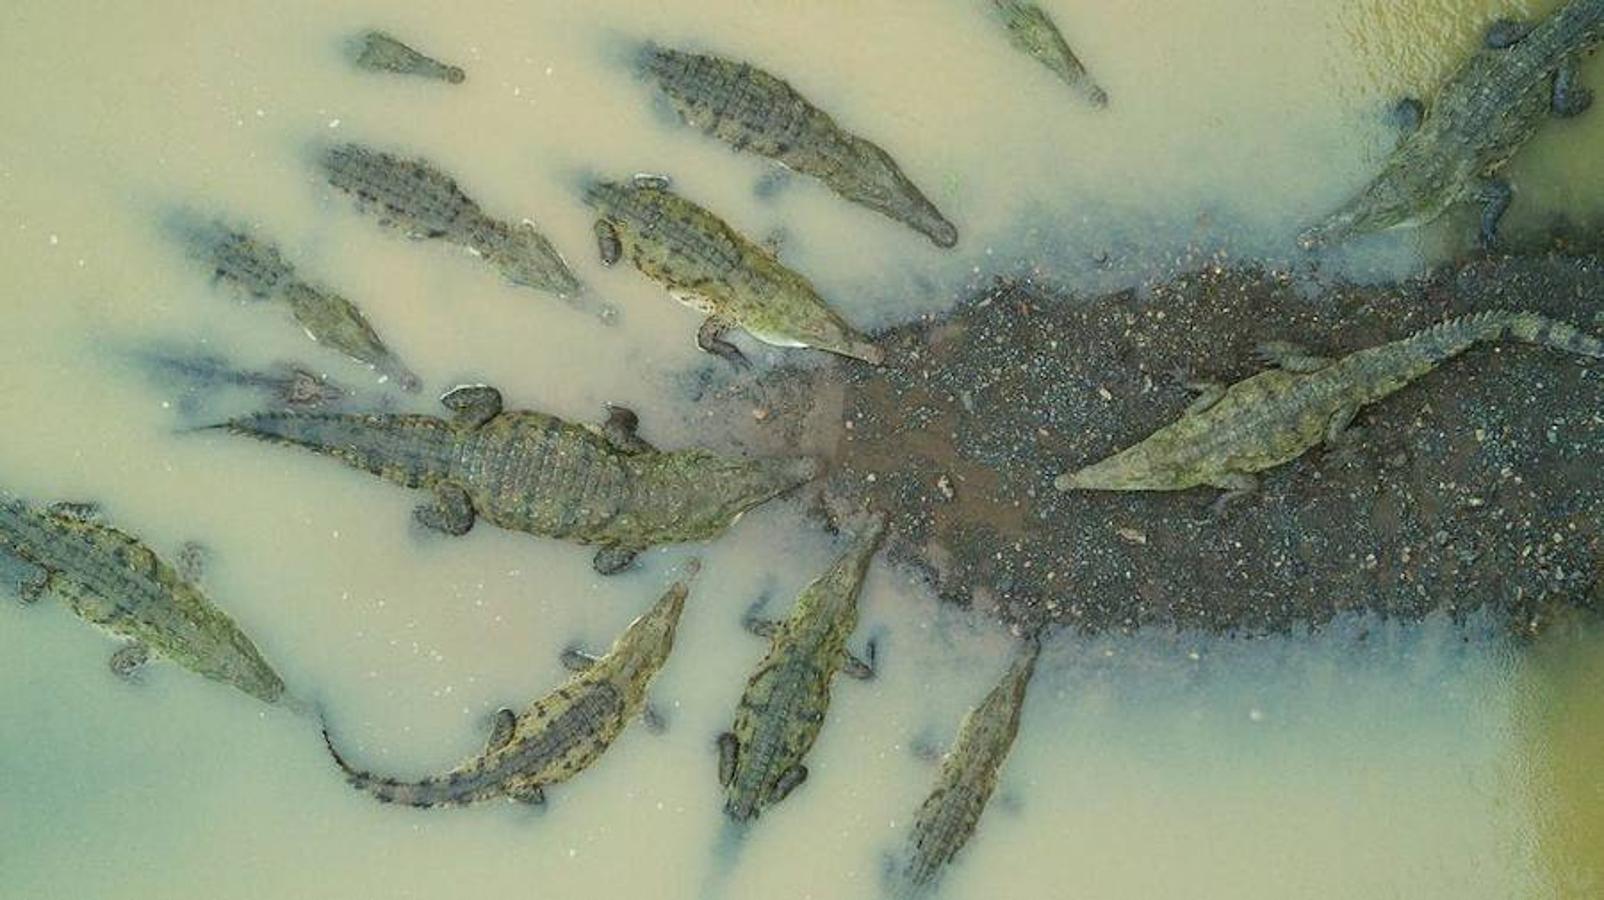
750,109
784,705
710,267
557,736
532,472
111,579
1481,117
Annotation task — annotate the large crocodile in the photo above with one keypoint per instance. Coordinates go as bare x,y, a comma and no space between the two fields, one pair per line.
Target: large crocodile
1478,121
557,736
377,51
708,266
532,472
1032,31
111,579
750,109
947,818
415,197
782,711
257,268
1274,417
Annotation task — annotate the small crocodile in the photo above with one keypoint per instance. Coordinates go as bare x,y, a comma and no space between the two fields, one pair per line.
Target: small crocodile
1279,414
782,711
1479,120
1032,31
750,109
557,736
536,473
111,579
377,51
285,385
948,817
710,267
415,197
257,268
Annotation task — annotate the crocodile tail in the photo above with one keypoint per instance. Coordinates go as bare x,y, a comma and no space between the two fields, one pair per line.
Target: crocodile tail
421,794
408,450
1456,335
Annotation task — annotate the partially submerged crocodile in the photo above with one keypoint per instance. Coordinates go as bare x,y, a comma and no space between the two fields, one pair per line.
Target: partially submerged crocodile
415,197
782,711
111,579
378,51
947,818
710,267
750,109
1032,31
285,385
1479,120
557,736
257,268
1274,417
532,472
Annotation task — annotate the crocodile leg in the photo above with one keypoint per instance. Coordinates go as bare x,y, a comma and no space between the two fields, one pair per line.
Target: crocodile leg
771,183
576,660
30,580
1236,486
710,337
534,796
1505,33
127,660
1338,434
751,621
655,721
473,404
192,562
859,669
608,245
451,512
1407,114
502,724
1208,394
1570,97
612,560
728,748
621,431
787,782
75,511
1291,357
1495,195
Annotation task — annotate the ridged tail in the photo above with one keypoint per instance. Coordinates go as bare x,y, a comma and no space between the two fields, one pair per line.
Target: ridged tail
409,450
1449,339
421,794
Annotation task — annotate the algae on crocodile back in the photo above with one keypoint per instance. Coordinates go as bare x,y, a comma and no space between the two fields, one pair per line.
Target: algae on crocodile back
559,735
532,472
753,110
710,267
111,579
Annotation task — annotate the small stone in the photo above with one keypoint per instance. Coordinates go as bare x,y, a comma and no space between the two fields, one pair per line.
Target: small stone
944,485
1133,536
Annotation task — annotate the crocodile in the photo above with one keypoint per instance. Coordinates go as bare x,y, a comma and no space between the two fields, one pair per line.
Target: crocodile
286,385
1480,119
557,736
783,708
1271,418
417,198
751,109
259,270
113,580
1032,32
532,472
710,267
947,818
377,51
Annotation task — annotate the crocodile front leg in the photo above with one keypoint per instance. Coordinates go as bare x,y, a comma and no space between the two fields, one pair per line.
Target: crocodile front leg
1505,33
710,337
472,405
787,782
451,512
608,245
126,661
612,560
1236,485
1570,97
30,580
502,725
728,748
1406,115
622,431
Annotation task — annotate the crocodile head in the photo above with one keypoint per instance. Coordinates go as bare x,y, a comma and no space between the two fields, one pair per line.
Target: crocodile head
643,648
877,182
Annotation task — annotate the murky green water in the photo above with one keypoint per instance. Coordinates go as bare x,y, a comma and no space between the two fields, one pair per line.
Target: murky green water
1423,761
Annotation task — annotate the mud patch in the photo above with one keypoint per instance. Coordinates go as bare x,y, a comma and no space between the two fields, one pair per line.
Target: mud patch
1480,486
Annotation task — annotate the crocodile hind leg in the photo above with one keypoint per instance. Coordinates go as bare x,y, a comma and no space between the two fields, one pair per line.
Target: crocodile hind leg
710,337
787,782
729,747
609,247
612,560
30,580
191,562
1208,394
1406,115
502,724
1236,485
622,430
127,660
1570,97
1495,195
1505,33
858,668
473,404
575,659
1341,441
1291,357
451,511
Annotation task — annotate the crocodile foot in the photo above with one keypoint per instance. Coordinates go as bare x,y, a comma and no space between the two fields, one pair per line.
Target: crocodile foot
728,747
451,512
1495,195
126,661
612,560
503,722
1237,485
710,338
608,244
788,782
1570,97
1505,33
473,404
1407,114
